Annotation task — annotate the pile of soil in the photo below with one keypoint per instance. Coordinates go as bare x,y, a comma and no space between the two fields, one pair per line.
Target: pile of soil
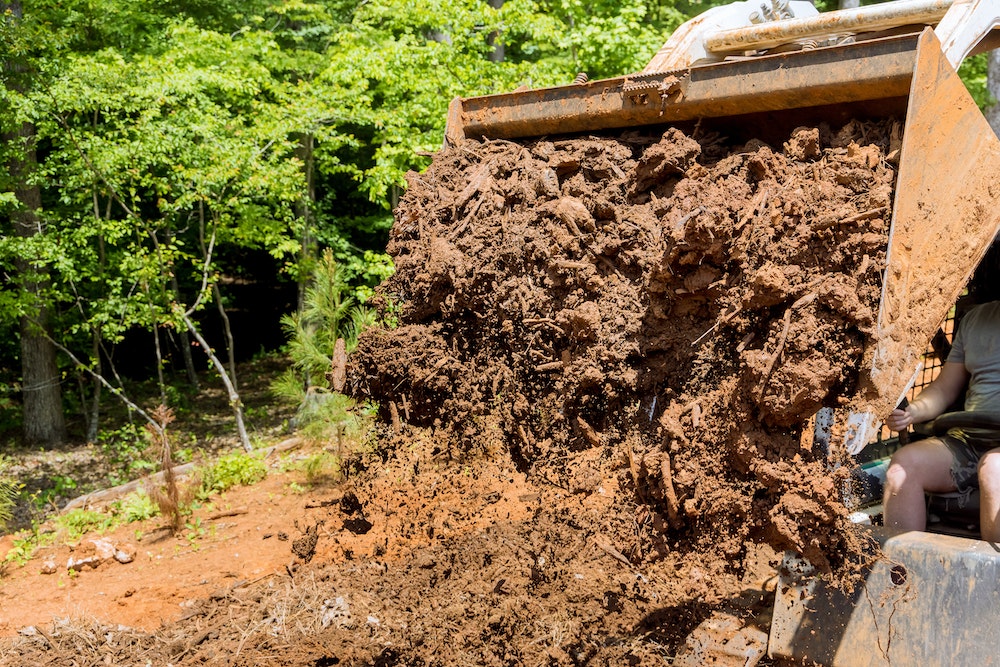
418,558
678,304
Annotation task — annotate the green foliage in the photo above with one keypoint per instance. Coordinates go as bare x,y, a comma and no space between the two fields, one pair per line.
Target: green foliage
26,543
322,467
127,449
325,415
235,469
61,488
9,490
973,74
78,522
136,506
328,314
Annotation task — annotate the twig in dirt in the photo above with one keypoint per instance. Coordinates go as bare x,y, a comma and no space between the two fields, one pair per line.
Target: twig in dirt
46,637
546,321
233,512
314,504
722,320
754,209
634,469
802,301
592,436
434,369
475,185
458,231
551,366
605,261
670,493
694,213
601,542
858,217
394,417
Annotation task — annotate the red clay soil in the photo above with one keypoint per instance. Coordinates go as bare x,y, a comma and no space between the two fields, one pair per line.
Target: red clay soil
679,305
592,437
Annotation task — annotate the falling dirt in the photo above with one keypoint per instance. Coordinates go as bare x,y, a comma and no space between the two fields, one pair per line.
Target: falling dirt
680,305
592,422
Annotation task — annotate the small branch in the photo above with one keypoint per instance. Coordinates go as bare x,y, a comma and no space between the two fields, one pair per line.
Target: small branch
670,493
604,546
551,366
234,397
779,348
100,378
858,217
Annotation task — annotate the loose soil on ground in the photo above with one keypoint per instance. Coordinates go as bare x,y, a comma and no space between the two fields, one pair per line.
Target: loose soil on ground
591,433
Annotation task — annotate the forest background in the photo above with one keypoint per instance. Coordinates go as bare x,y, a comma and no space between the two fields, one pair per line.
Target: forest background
178,173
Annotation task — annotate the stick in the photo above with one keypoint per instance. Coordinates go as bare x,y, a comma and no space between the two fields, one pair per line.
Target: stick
808,298
592,436
603,545
673,506
551,366
858,217
722,320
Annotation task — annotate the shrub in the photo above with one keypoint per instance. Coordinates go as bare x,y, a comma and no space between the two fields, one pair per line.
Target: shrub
235,469
137,506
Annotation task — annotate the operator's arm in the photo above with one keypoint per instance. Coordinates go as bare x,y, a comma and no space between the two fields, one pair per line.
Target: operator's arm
933,400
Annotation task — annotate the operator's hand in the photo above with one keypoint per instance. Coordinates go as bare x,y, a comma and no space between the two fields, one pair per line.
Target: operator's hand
900,419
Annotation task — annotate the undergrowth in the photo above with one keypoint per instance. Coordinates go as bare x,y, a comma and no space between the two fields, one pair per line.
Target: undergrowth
9,490
234,469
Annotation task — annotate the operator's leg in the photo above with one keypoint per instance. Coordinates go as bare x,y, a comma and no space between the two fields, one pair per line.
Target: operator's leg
989,495
916,468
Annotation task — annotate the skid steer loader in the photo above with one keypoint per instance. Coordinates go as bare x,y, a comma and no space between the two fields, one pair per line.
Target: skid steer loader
751,68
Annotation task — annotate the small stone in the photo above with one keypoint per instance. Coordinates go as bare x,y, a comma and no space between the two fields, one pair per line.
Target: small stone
125,555
49,567
80,563
104,549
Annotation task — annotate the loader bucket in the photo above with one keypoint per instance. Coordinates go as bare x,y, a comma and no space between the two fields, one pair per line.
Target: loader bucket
932,600
944,213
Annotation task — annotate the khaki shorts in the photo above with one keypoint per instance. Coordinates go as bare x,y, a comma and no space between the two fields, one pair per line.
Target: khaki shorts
967,452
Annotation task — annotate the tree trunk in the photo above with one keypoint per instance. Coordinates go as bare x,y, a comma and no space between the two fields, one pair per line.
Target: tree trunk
192,374
228,331
497,54
304,212
94,418
42,395
993,87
